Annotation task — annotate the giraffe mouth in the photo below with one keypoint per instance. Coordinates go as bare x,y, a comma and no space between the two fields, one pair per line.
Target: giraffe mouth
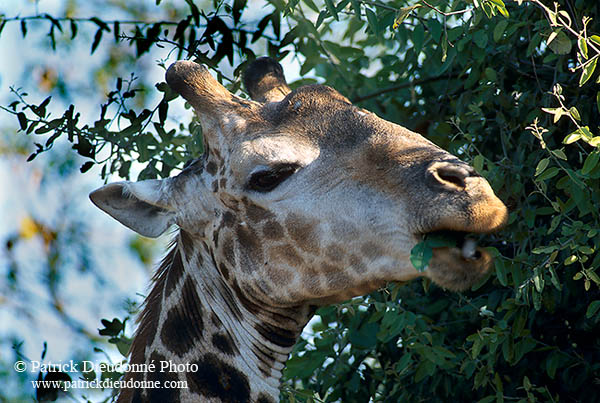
466,242
458,261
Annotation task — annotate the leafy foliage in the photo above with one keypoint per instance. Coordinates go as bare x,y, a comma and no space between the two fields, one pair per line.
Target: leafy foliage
509,87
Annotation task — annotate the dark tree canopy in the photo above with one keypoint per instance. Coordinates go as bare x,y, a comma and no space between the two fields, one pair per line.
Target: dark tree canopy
510,87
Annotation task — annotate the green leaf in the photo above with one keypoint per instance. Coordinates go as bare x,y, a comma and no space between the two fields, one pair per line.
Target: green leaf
435,29
541,166
439,240
586,134
425,368
331,8
583,48
22,120
548,173
552,36
552,364
499,4
560,154
557,112
111,328
575,113
365,337
418,39
97,39
123,346
561,44
592,309
572,137
73,29
544,249
598,101
101,24
86,166
590,162
499,30
372,21
355,7
478,163
420,255
480,38
501,272
403,14
490,74
587,71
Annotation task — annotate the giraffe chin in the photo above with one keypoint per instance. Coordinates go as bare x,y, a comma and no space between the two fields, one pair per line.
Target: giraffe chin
449,268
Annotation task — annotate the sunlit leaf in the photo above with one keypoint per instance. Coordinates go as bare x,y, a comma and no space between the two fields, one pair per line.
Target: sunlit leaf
583,48
403,14
587,71
572,137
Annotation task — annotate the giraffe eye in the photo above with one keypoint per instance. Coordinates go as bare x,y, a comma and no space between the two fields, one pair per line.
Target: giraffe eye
268,179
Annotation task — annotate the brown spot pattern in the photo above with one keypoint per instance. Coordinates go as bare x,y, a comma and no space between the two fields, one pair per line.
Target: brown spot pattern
262,398
303,231
224,271
256,213
161,394
211,168
174,273
187,243
217,379
287,253
224,343
276,335
273,230
228,251
184,324
357,264
335,253
250,245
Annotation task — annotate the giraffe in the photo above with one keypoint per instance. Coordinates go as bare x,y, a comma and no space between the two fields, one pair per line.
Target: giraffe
301,199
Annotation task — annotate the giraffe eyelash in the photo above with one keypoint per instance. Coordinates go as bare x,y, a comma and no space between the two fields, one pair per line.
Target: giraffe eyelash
268,179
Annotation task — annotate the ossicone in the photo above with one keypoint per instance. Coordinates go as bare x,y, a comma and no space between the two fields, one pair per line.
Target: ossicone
264,80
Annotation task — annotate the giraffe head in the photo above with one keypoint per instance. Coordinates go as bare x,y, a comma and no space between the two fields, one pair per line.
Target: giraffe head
302,197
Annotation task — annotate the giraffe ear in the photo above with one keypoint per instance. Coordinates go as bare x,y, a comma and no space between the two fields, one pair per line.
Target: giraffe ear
139,206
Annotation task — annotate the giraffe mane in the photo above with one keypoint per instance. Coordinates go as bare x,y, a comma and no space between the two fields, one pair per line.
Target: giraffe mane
147,319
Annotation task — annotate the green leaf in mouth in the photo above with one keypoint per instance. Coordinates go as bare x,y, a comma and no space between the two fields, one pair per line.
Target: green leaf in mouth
421,253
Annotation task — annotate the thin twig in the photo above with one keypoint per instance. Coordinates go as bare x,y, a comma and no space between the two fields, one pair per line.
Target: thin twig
466,10
404,85
83,19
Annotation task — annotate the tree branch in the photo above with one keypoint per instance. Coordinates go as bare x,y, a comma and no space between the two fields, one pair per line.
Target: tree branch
404,85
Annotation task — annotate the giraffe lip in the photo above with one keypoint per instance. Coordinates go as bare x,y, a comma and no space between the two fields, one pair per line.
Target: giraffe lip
461,241
457,262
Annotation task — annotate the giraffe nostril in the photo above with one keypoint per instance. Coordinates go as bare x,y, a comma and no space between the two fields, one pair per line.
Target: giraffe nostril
451,174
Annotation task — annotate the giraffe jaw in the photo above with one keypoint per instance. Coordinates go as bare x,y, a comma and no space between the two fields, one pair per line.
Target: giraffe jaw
459,263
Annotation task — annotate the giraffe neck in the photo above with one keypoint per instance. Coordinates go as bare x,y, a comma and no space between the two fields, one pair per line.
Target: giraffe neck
208,333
